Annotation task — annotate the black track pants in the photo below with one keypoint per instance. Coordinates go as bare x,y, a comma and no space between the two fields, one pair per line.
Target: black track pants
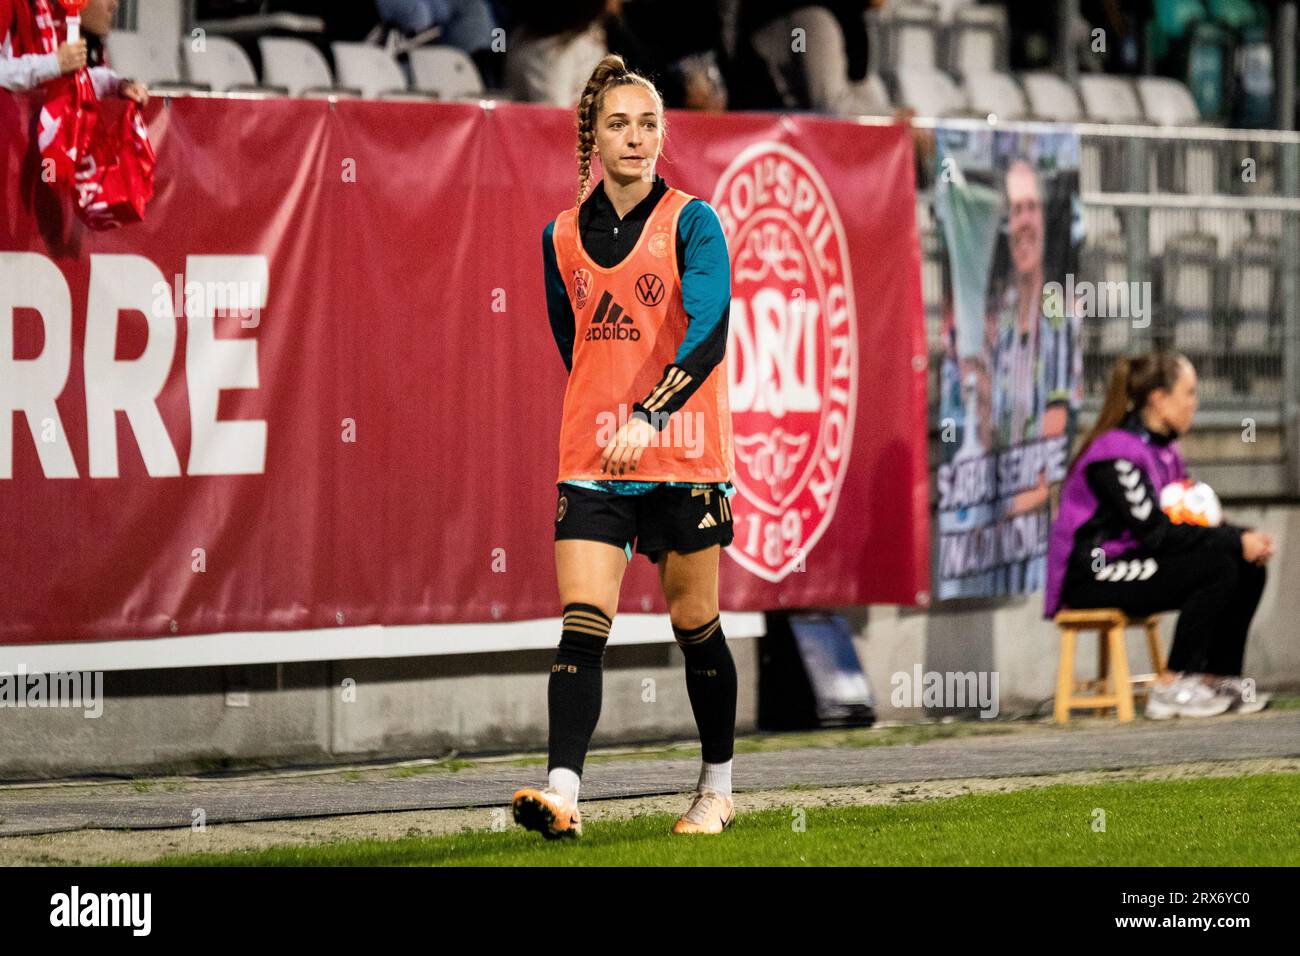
1216,592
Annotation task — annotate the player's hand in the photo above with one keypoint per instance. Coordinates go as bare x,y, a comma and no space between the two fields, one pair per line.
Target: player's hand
72,57
134,91
623,454
1256,546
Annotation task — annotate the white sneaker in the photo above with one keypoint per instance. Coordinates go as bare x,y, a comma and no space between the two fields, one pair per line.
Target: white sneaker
1187,696
547,812
1245,699
710,812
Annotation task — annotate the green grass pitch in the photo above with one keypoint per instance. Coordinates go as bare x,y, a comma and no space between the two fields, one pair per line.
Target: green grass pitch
1244,821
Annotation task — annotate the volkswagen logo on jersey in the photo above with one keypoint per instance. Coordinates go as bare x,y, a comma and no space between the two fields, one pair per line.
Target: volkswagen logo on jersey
649,289
792,354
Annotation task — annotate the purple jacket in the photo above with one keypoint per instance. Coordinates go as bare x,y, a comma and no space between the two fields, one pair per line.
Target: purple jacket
1078,504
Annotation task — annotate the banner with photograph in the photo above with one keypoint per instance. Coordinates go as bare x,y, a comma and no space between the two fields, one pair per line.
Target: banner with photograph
1008,207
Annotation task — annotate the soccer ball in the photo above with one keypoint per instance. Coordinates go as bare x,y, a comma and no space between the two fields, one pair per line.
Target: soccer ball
1191,502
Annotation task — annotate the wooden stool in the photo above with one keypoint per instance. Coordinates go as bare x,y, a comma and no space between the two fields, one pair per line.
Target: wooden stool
1113,686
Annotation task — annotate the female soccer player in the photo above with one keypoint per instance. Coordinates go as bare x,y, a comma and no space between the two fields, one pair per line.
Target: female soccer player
638,288
1112,546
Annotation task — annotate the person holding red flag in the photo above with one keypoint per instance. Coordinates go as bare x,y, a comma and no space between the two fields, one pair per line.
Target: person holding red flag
28,28
22,70
109,169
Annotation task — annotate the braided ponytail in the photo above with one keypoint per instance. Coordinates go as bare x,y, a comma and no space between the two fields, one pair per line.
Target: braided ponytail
610,72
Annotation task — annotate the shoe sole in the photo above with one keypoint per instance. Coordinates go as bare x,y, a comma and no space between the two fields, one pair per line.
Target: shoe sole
1161,712
533,814
1247,709
725,823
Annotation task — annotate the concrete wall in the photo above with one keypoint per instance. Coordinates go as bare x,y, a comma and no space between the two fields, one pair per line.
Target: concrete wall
1009,635
183,720
480,703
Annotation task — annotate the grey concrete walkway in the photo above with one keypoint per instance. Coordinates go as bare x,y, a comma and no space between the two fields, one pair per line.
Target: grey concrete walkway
1037,749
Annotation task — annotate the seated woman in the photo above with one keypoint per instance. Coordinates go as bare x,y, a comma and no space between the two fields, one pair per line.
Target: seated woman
1112,546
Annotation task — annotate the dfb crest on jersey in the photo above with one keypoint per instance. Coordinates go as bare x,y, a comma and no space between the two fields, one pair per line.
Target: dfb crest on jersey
581,287
792,354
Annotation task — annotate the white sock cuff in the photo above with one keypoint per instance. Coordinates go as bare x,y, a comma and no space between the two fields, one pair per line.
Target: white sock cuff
565,782
716,776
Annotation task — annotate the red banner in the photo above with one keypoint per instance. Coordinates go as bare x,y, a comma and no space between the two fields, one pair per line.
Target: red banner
317,385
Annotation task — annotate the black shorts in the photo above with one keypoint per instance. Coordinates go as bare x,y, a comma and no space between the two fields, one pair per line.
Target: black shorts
666,518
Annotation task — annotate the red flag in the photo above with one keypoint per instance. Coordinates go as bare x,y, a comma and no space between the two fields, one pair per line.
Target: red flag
67,124
115,180
111,170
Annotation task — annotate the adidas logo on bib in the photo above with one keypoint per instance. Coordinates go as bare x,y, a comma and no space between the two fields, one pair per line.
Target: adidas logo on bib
611,323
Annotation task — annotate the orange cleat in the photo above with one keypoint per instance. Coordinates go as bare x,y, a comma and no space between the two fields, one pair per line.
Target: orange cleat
546,812
711,812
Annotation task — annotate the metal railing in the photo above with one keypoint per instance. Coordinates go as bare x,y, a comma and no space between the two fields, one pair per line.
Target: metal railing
1211,219
1208,220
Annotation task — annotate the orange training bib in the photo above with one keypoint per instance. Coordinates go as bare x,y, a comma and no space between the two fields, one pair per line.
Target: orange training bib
628,324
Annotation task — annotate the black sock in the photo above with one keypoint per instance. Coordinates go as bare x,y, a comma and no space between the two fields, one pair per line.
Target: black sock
573,695
711,685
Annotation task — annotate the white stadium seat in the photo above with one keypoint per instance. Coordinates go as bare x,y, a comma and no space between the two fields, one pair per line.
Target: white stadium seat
1051,98
911,37
1269,223
976,40
997,94
219,63
1103,258
1167,102
1227,226
445,71
930,92
1253,293
1189,290
1201,167
295,65
144,57
371,70
1109,99
948,9
1101,221
1165,225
